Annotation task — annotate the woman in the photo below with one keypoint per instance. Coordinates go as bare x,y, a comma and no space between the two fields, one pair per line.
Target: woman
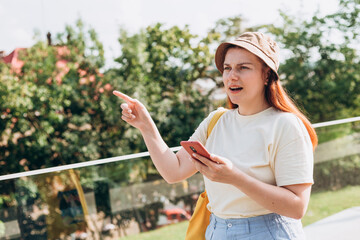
264,146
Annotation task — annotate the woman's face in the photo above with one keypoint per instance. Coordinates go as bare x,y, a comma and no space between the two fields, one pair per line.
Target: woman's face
244,79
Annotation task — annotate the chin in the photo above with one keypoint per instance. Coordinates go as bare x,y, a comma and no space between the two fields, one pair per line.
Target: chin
235,101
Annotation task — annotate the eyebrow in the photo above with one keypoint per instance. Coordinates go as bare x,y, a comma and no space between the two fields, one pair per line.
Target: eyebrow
240,63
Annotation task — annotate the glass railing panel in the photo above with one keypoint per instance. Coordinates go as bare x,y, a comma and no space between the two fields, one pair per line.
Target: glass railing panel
337,157
103,200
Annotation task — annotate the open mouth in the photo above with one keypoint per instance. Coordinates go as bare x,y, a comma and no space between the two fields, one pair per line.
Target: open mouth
235,89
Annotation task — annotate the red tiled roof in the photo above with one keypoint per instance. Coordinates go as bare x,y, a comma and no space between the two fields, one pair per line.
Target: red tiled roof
61,65
13,60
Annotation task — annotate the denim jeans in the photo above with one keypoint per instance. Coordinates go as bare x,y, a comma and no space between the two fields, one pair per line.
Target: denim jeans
265,227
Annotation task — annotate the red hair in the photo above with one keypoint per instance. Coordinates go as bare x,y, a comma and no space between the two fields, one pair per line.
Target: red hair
277,97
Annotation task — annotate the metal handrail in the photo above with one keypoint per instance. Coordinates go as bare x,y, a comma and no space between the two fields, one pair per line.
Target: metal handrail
335,122
133,156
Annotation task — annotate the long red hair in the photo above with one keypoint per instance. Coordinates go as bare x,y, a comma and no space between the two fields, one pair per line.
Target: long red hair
277,97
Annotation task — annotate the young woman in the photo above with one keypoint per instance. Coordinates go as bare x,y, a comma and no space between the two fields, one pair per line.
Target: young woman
259,176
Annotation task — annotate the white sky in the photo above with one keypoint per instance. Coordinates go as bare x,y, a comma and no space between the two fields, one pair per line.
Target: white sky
19,18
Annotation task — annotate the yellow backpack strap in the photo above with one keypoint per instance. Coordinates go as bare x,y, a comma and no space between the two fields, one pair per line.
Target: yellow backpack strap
214,120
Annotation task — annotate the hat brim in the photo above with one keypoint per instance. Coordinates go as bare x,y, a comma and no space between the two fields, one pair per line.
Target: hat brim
220,54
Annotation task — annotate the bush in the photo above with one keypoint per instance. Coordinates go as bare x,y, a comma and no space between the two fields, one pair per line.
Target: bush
336,174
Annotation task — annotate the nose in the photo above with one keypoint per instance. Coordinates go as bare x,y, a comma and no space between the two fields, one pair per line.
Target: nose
233,75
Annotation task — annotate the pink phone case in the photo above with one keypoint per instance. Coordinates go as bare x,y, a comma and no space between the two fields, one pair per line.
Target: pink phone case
195,147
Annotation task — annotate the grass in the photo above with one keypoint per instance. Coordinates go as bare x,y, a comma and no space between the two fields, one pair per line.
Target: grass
174,232
322,204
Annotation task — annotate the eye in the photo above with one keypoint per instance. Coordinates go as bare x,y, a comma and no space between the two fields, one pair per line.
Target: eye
244,67
227,68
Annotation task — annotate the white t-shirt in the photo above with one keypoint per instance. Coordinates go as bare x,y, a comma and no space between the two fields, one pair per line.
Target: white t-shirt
272,146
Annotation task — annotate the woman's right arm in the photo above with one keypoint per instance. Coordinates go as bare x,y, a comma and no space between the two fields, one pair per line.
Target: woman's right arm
172,167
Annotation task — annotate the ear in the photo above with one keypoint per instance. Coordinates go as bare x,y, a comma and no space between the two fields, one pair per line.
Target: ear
266,75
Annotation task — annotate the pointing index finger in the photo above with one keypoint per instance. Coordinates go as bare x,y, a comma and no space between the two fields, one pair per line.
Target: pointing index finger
123,96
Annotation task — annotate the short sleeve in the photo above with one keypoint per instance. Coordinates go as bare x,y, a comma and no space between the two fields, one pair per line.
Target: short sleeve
200,133
294,160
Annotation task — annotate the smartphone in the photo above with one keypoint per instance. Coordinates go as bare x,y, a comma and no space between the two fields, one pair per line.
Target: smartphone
195,147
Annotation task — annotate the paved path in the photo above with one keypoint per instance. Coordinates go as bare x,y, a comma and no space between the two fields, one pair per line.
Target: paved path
344,225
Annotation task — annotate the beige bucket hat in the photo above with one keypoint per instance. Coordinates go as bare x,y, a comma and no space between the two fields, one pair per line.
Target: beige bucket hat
255,42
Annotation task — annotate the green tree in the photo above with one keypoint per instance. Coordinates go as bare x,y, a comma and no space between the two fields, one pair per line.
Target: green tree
159,66
59,109
321,71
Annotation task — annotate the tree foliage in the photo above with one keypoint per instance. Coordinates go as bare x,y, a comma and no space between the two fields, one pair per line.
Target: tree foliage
58,109
322,69
159,66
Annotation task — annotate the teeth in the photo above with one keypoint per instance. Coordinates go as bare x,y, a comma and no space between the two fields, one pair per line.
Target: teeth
236,88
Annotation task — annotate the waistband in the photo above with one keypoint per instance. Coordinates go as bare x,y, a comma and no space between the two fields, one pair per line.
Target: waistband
254,225
245,225
266,217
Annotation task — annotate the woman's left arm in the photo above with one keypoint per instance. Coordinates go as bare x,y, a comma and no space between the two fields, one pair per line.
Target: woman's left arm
290,201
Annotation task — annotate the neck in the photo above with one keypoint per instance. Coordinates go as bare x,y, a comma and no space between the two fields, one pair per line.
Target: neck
251,109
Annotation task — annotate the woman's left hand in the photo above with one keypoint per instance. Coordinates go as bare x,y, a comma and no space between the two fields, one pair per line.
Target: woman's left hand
217,169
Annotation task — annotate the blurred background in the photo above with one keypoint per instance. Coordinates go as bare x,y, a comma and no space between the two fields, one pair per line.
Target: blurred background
61,60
